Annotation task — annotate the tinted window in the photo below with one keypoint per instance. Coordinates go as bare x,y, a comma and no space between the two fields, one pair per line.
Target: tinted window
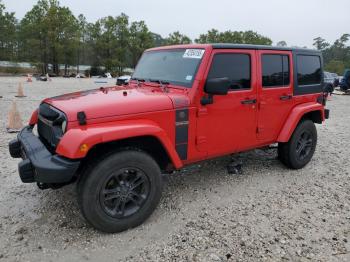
309,70
234,66
275,70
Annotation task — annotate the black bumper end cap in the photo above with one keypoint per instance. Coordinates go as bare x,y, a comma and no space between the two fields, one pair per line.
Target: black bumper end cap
39,164
26,171
326,113
15,148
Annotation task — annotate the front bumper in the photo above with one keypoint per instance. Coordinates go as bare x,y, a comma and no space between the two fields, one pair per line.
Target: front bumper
38,164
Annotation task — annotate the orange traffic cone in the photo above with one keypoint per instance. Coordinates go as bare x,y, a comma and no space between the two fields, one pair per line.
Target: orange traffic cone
29,78
14,120
20,92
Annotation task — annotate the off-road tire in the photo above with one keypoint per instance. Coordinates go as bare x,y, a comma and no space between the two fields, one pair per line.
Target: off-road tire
94,180
289,154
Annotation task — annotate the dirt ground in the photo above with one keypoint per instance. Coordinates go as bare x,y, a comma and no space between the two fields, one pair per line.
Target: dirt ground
267,213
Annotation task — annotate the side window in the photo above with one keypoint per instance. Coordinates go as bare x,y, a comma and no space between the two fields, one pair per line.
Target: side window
275,70
309,70
234,66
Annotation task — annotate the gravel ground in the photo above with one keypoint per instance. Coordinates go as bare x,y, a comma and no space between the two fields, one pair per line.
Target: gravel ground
266,213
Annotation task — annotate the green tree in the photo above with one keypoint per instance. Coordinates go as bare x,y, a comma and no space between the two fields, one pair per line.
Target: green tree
112,42
49,34
158,40
237,37
337,56
212,36
282,43
335,66
8,41
140,38
66,36
33,40
177,38
93,34
81,34
320,43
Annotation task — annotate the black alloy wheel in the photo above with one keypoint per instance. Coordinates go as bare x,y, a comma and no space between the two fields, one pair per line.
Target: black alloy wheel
124,192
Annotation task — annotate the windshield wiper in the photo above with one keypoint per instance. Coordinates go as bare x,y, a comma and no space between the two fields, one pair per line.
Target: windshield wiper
159,81
138,80
163,84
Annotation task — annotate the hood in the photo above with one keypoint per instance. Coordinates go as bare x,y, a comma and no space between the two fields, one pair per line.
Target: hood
111,101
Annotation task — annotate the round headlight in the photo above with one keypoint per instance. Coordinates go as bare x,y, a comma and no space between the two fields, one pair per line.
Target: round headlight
64,126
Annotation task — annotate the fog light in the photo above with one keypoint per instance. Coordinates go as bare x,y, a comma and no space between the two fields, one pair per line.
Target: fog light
84,148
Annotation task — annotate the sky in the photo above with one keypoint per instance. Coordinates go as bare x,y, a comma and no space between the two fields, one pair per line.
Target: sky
297,22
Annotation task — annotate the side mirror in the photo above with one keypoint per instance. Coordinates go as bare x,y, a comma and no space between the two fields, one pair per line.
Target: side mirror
217,86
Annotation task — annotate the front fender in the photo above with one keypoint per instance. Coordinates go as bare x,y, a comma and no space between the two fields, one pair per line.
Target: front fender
294,117
92,135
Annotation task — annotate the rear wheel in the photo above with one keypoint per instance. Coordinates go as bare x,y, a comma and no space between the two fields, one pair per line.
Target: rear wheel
121,191
298,151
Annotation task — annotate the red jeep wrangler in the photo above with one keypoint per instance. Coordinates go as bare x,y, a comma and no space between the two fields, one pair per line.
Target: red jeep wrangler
183,104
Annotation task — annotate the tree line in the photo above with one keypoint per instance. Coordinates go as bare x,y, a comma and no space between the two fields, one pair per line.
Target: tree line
337,55
50,34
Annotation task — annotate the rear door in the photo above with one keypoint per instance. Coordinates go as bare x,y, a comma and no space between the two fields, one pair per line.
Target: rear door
275,88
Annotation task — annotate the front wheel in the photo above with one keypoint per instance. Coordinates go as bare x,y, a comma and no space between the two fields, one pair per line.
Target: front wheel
121,191
298,151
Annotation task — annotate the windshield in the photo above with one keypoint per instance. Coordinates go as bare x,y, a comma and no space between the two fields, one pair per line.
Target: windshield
177,66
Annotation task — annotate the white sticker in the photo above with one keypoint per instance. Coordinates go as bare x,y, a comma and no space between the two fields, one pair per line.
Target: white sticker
188,78
193,53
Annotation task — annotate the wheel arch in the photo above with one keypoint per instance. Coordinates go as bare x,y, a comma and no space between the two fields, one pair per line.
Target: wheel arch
311,111
131,133
148,144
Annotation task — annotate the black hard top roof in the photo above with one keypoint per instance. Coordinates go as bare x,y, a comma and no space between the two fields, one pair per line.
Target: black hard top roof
261,47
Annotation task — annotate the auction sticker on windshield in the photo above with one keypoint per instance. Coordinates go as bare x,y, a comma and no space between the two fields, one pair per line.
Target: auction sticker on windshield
193,53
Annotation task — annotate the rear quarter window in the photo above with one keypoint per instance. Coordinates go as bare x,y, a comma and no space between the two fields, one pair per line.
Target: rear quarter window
309,70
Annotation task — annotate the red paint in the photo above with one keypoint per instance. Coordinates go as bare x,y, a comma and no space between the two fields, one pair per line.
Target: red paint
224,127
295,116
101,133
34,118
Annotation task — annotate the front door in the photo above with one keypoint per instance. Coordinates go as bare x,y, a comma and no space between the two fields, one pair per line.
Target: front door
229,123
275,92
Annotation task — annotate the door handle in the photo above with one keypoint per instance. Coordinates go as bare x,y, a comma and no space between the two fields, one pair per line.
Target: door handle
248,102
286,97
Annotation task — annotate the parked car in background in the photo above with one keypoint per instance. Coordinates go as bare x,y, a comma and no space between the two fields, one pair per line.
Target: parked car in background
80,76
122,80
336,81
331,81
345,82
103,75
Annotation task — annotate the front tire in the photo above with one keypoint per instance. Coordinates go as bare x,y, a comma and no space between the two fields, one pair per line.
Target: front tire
300,148
121,191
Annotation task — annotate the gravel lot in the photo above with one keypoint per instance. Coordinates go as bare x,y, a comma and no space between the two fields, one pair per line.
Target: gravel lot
267,213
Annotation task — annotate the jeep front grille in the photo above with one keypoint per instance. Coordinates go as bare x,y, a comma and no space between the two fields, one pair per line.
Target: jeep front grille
49,125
